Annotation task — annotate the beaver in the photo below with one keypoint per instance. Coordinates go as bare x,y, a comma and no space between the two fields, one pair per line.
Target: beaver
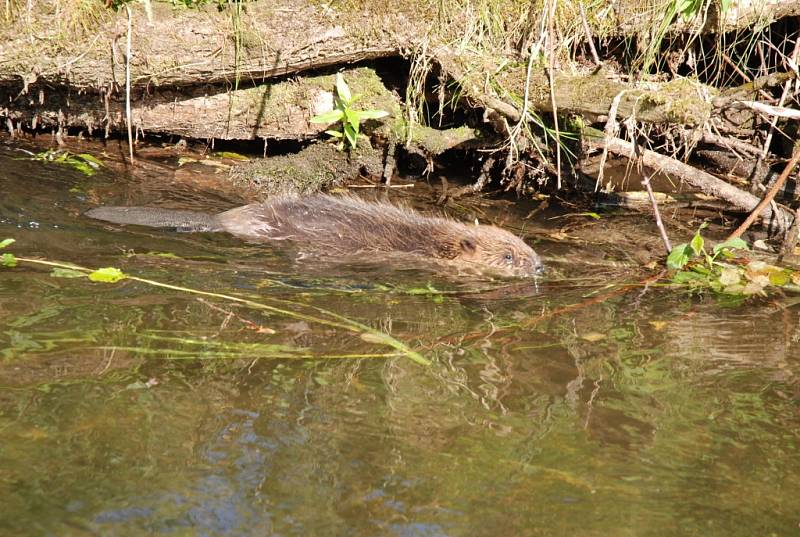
348,227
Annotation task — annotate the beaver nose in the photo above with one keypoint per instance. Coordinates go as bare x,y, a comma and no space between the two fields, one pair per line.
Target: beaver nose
538,269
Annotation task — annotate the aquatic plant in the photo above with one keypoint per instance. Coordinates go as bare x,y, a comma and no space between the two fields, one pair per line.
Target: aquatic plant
82,162
721,270
285,308
681,254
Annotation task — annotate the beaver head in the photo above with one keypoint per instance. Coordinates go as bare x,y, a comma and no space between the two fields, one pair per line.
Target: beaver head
499,251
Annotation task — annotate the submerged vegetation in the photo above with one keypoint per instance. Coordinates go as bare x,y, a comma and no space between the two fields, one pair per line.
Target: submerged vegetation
83,162
283,308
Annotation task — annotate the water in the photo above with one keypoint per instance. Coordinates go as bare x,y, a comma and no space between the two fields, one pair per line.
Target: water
571,407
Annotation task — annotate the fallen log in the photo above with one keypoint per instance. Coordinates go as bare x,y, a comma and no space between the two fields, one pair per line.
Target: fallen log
184,47
699,179
280,110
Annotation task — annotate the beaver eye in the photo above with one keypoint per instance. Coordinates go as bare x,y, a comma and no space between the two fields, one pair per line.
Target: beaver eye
509,257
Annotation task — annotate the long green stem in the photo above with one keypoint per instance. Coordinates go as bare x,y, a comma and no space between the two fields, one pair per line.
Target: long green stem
366,333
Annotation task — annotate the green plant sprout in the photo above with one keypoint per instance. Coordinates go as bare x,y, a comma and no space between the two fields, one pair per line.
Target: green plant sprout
349,117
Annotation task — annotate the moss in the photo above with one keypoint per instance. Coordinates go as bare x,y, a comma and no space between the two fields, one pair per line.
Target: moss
680,101
435,141
318,167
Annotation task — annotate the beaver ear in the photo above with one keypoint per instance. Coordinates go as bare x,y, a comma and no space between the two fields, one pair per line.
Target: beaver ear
468,245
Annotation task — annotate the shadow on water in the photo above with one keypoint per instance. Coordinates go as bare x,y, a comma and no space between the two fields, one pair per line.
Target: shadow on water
128,410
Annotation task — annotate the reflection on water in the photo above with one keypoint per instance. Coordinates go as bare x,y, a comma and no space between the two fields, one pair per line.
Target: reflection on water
127,409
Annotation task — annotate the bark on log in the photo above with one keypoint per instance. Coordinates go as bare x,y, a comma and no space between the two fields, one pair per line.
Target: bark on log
199,97
269,111
681,101
634,17
187,47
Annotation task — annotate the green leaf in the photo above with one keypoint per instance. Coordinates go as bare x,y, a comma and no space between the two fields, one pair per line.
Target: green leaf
351,135
168,255
107,274
686,276
90,159
230,155
6,242
682,6
81,166
371,114
589,214
779,277
342,90
328,117
678,257
697,243
59,272
732,243
351,118
385,339
335,134
8,260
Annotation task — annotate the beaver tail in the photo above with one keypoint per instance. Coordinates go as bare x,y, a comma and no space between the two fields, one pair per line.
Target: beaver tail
156,217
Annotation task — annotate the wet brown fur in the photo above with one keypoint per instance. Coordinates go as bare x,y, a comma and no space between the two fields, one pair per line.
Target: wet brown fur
346,227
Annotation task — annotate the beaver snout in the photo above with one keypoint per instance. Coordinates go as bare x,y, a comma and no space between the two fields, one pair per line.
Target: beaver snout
533,266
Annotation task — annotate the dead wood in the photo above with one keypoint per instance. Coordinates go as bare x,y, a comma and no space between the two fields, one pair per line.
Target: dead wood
768,197
699,179
187,47
681,102
281,110
635,17
318,167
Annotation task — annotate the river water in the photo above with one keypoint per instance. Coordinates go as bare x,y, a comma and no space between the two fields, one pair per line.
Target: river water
585,404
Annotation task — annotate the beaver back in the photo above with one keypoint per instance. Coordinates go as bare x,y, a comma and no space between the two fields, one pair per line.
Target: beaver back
348,226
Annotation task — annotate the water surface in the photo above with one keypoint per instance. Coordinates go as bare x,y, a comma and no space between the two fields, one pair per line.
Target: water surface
566,407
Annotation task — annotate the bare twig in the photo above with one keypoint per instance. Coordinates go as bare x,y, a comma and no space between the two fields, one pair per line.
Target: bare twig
659,223
730,143
551,37
769,110
404,185
589,39
768,197
610,131
742,74
787,86
790,240
477,186
128,82
388,167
